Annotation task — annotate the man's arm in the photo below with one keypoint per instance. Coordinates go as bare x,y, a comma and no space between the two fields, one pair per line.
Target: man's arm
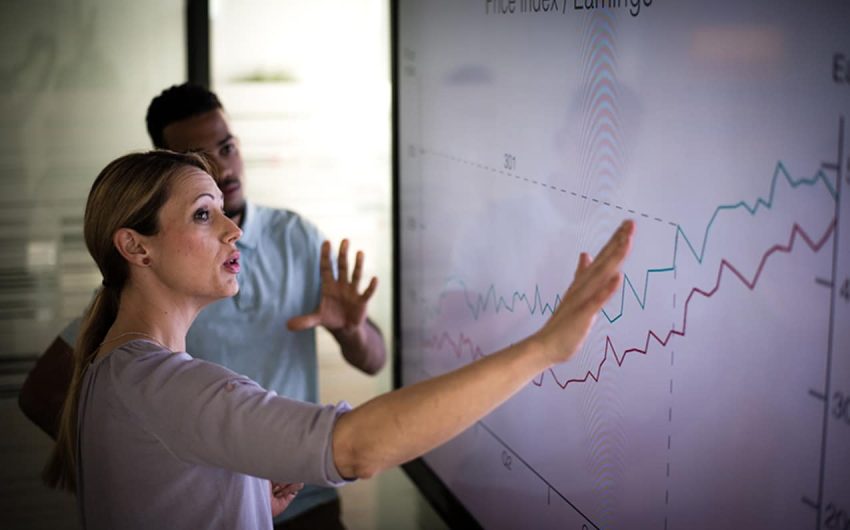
364,348
44,390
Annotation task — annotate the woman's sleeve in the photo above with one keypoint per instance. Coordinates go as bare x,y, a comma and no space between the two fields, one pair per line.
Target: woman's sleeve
206,414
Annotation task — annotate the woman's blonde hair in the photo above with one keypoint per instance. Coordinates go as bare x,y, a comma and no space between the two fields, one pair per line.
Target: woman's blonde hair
128,193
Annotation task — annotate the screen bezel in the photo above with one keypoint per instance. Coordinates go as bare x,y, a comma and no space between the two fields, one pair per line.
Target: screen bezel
444,502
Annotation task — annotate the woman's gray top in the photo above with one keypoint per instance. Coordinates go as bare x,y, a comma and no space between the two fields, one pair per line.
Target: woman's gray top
168,441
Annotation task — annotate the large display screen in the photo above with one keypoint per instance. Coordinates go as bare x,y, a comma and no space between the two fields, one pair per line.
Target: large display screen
714,389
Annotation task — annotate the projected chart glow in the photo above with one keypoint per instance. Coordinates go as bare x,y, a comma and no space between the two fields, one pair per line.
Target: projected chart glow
714,389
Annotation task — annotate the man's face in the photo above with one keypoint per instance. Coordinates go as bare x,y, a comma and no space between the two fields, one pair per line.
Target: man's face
209,133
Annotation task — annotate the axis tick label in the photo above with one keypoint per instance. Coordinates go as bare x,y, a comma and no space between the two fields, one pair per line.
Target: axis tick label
824,282
817,395
810,503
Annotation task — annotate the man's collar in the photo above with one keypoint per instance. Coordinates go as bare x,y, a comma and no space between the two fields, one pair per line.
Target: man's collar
250,229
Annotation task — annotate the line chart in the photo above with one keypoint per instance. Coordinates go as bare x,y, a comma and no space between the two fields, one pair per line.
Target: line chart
815,246
525,137
466,343
535,303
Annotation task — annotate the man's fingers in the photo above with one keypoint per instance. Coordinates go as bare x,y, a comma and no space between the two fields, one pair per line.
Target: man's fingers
358,270
304,322
342,261
325,267
370,290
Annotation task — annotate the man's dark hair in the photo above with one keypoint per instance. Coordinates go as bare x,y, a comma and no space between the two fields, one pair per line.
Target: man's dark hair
178,103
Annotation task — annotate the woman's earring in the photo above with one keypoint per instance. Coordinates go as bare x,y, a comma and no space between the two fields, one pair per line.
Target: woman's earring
146,261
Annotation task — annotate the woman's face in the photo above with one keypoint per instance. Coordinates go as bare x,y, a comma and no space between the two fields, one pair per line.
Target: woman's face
194,253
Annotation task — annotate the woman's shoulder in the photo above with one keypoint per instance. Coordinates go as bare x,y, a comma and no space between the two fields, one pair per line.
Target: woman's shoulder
146,371
146,359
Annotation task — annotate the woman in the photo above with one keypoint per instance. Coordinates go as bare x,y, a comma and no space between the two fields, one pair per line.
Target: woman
152,437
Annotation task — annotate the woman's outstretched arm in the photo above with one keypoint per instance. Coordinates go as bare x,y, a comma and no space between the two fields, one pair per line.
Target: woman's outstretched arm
401,425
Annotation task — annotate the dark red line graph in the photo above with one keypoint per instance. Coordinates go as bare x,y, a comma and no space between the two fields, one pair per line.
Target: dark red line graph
457,347
475,352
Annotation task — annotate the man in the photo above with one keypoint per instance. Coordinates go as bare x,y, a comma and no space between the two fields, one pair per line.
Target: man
280,288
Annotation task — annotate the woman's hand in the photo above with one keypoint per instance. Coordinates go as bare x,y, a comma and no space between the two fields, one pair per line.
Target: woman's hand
595,281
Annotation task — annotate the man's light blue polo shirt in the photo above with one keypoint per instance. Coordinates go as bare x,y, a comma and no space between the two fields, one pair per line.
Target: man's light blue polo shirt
279,279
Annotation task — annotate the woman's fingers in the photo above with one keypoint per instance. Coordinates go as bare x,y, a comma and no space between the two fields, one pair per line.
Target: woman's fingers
584,261
605,292
605,268
619,244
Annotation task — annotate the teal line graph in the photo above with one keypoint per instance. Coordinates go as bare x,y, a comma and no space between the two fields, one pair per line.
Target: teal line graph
536,304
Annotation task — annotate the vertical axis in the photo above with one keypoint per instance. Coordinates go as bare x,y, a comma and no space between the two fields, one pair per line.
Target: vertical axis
838,181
